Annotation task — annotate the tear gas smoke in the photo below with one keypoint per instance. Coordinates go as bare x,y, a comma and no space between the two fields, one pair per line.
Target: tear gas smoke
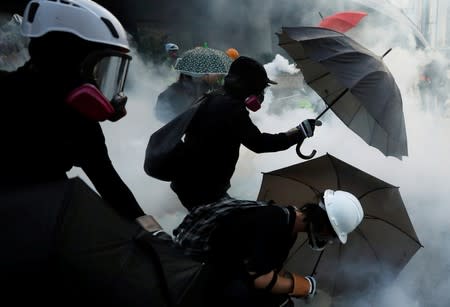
422,176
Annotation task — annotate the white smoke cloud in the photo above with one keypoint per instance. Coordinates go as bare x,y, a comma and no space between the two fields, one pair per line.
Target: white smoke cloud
422,176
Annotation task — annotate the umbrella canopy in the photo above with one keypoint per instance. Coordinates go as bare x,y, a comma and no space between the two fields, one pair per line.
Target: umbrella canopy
342,21
380,246
353,82
203,60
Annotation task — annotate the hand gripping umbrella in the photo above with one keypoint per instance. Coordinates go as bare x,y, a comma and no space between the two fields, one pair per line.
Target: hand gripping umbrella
380,246
353,82
200,61
342,21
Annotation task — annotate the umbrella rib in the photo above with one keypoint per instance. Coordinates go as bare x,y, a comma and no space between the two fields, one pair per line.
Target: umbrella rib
294,179
375,190
394,226
317,263
333,164
318,78
378,124
339,257
359,231
384,111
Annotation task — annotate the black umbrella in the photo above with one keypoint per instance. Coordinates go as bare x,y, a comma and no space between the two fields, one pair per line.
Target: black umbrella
64,243
380,246
353,82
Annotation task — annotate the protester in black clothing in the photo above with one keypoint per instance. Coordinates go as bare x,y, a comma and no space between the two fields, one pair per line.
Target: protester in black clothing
249,242
182,94
53,104
220,126
179,96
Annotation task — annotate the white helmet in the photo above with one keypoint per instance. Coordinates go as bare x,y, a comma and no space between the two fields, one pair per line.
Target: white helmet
344,211
171,47
83,18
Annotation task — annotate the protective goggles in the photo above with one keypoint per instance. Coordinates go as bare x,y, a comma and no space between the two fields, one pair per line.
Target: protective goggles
107,70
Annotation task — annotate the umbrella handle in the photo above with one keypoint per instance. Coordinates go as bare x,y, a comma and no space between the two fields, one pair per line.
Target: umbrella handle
304,157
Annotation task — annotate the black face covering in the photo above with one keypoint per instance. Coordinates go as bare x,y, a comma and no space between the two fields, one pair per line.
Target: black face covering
319,229
314,240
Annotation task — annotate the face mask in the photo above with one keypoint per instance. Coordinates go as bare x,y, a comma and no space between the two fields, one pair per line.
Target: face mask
89,101
102,98
253,102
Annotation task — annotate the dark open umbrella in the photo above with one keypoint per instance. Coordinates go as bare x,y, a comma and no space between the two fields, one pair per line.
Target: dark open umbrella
342,21
380,246
353,82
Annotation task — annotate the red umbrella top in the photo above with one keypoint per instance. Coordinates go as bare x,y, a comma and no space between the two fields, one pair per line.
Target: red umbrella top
342,21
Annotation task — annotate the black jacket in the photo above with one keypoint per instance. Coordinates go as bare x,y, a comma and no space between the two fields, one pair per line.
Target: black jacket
42,139
252,240
212,144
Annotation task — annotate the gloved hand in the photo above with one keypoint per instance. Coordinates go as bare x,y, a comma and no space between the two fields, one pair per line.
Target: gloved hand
304,130
307,127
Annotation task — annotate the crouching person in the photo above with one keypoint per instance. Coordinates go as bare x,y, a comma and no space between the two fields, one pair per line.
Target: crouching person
249,241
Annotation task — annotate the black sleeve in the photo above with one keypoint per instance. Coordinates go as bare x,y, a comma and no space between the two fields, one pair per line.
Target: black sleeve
271,243
255,140
259,239
98,167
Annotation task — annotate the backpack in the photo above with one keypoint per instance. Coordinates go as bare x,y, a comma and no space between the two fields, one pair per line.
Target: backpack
165,148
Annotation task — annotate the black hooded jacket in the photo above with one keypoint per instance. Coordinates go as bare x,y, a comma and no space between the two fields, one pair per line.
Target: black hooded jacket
212,144
42,138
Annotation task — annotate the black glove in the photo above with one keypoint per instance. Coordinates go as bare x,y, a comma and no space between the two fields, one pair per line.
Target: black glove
306,128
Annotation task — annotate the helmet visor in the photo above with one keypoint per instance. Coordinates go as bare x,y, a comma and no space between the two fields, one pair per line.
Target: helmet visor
108,71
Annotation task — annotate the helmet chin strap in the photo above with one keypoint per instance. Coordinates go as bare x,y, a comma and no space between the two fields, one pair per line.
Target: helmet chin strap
313,243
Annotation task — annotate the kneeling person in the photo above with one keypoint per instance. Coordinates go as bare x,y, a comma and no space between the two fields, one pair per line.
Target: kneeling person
250,241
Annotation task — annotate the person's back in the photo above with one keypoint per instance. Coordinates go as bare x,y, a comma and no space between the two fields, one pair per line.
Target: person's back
212,145
251,241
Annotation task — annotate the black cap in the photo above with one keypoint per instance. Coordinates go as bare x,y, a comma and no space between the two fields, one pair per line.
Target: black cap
250,72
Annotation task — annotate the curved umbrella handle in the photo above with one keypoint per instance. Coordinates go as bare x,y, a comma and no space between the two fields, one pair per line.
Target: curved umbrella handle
305,157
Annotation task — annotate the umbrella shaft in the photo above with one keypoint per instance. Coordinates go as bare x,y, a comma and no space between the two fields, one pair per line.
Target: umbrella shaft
317,263
332,103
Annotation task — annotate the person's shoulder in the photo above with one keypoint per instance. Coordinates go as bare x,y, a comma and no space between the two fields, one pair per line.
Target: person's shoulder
221,97
278,215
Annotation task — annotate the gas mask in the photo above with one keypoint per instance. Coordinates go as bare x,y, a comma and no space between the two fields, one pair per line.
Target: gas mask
101,97
253,102
317,241
318,238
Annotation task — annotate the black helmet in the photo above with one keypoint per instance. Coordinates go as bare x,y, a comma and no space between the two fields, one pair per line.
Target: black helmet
246,77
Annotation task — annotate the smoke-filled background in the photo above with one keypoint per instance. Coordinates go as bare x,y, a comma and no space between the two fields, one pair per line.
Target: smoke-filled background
423,176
